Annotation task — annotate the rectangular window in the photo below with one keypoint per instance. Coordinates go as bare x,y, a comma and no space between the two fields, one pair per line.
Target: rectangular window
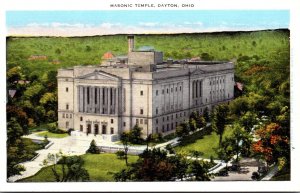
137,121
163,128
180,88
141,121
111,130
163,91
124,124
167,90
146,121
81,127
111,121
70,115
156,121
67,106
67,89
81,118
63,115
156,92
142,93
141,111
175,89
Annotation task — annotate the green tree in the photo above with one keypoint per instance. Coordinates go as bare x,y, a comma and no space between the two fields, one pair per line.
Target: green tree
71,168
199,171
93,149
206,115
219,120
182,130
154,165
125,136
135,135
248,120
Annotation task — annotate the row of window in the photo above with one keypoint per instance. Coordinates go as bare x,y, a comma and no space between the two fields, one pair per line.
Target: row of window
139,122
66,115
111,120
163,91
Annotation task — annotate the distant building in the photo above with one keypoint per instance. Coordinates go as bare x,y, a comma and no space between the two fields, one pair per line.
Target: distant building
107,56
145,90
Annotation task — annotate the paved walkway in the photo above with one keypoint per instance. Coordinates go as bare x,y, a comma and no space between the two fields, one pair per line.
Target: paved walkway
71,145
271,174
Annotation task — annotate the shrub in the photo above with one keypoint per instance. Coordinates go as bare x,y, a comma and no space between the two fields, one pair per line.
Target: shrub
93,149
255,176
120,154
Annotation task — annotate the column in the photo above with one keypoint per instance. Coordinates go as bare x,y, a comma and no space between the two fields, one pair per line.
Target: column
106,100
109,100
98,100
199,89
85,98
93,99
78,99
196,89
117,101
101,100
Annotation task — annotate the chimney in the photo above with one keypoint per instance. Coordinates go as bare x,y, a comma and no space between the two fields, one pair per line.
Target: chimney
130,43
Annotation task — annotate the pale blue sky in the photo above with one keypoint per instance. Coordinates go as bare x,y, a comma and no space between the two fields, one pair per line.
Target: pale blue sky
149,21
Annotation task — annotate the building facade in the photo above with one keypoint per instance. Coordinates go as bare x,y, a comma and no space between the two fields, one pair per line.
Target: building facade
140,89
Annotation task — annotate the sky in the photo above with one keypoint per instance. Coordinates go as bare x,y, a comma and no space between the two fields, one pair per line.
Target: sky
77,23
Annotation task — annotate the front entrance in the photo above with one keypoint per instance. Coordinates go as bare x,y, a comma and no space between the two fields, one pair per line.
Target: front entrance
88,128
103,129
96,129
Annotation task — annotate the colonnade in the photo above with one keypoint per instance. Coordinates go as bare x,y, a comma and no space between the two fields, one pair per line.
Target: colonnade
98,100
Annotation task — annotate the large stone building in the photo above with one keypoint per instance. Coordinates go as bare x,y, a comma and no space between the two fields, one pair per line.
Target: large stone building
140,89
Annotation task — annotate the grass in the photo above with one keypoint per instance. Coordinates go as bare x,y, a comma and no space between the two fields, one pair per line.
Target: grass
97,165
204,144
52,135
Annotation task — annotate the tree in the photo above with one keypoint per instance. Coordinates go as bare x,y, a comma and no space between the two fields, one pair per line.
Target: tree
154,165
182,130
238,140
248,120
93,148
225,151
199,171
71,168
273,143
125,141
192,125
219,120
206,115
135,135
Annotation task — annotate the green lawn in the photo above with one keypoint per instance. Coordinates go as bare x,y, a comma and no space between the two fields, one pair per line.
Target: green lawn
97,165
52,135
205,144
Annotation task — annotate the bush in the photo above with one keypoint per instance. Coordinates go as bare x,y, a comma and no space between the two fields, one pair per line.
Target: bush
255,176
156,137
53,128
93,149
120,154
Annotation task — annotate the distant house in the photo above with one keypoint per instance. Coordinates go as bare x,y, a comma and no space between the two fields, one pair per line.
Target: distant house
22,82
107,56
38,57
12,93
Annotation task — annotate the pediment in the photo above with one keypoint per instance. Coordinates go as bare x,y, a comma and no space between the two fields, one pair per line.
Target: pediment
99,75
198,71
